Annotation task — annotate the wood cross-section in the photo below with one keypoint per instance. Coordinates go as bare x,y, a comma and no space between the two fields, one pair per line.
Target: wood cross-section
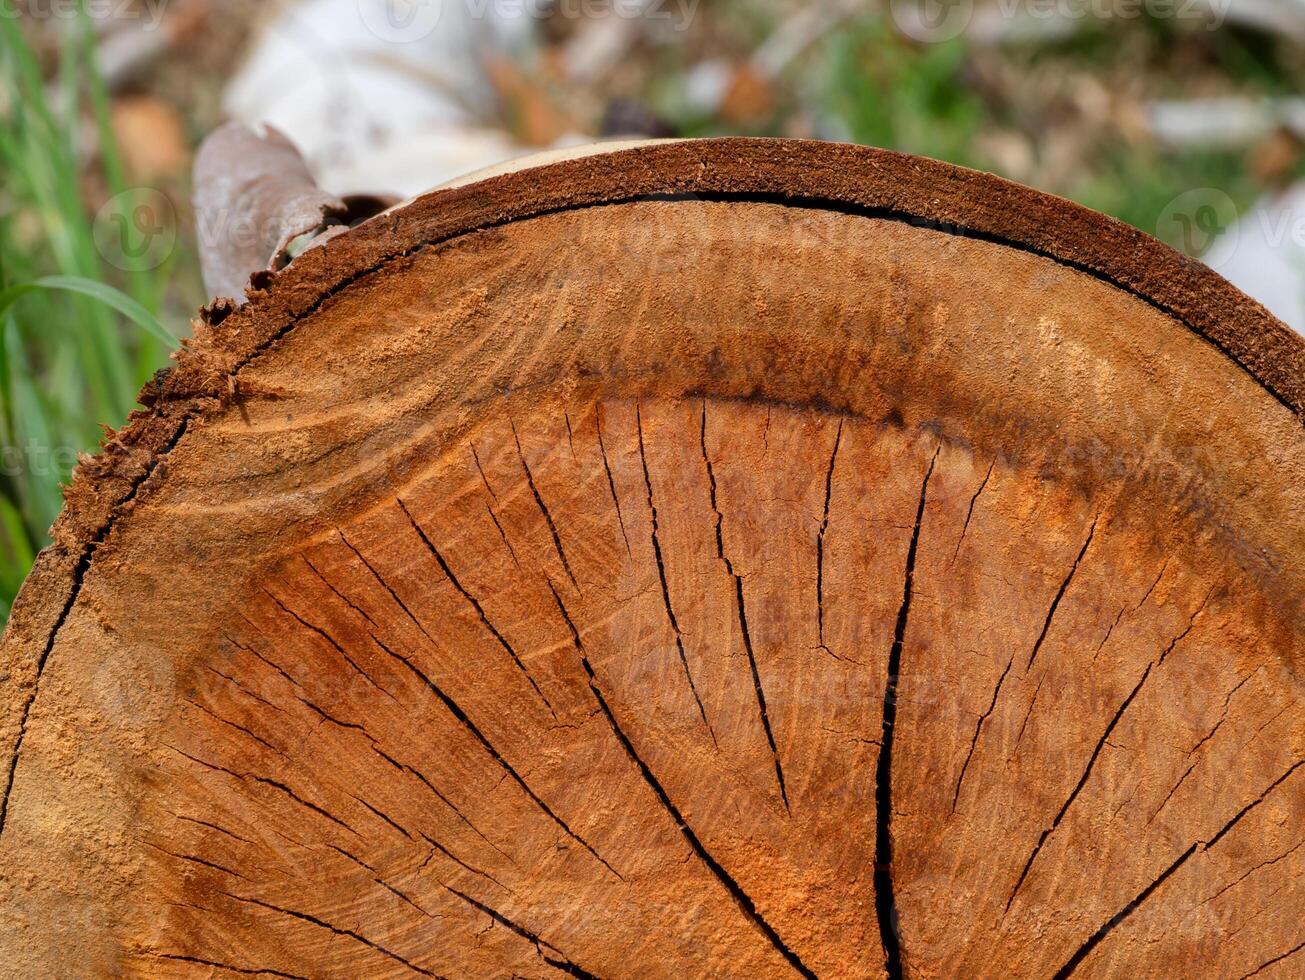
656,568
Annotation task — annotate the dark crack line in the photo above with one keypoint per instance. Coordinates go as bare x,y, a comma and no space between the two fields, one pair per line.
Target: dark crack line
1033,701
80,569
387,885
338,594
1277,959
1263,907
503,534
1060,594
558,960
543,509
462,718
820,538
322,924
978,727
885,902
1203,741
1078,787
1125,610
202,862
380,815
331,719
1095,939
1164,566
570,437
1109,632
213,826
190,905
1199,846
1087,772
387,587
1127,800
969,513
258,656
1170,795
758,690
231,724
1254,803
1263,864
403,896
481,470
1276,715
438,848
332,641
475,604
265,781
661,574
1191,624
1227,701
352,857
418,775
735,890
243,689
251,971
611,483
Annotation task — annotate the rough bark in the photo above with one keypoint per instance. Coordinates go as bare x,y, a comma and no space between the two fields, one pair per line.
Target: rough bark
735,558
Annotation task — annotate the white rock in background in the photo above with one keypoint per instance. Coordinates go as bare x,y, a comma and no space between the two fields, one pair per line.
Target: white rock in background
1263,254
383,96
1226,122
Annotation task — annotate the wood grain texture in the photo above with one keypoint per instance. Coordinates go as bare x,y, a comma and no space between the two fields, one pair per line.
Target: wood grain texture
744,586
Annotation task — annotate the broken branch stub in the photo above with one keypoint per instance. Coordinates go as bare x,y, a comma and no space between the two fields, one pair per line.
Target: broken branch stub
727,558
254,196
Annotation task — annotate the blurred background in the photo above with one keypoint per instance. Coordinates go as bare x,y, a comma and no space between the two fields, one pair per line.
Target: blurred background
1185,118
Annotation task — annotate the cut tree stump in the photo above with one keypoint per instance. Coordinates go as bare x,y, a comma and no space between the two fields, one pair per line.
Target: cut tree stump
727,558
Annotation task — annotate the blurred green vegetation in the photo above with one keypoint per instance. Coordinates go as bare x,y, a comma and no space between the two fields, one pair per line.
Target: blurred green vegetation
941,100
72,348
904,96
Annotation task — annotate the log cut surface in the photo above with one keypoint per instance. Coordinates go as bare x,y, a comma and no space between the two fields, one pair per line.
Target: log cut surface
737,558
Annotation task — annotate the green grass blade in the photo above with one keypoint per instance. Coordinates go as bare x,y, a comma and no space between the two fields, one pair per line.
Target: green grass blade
16,554
36,477
113,298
